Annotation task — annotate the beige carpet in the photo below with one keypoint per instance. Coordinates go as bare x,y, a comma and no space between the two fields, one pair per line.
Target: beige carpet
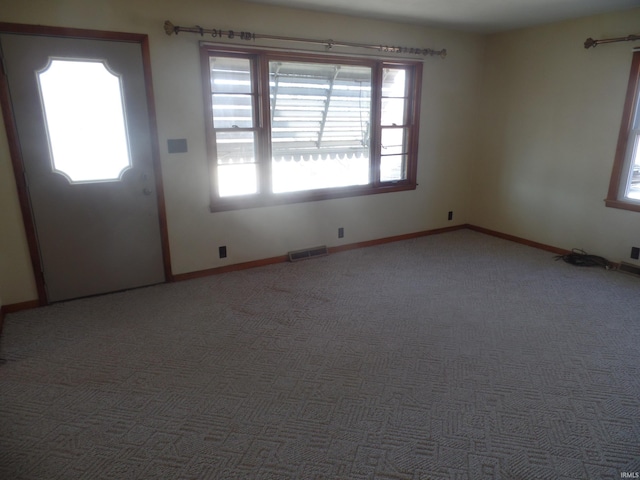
456,356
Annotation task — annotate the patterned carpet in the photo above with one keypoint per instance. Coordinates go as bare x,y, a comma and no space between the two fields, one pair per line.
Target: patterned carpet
455,356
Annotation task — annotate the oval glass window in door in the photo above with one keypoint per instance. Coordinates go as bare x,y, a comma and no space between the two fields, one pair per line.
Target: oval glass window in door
84,110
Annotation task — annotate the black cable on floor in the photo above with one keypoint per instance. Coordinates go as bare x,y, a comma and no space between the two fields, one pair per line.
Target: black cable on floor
581,258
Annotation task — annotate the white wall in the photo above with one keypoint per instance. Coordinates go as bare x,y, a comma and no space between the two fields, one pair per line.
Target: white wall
450,93
16,275
551,112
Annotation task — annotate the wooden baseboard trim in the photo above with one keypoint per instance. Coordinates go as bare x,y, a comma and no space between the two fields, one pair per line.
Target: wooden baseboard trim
523,241
284,258
178,277
16,307
395,238
6,309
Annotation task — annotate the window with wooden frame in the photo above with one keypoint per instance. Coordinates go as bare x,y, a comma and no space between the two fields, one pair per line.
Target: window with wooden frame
624,188
285,127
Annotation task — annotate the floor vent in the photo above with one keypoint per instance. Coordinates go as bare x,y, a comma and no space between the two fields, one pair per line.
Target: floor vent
629,268
308,253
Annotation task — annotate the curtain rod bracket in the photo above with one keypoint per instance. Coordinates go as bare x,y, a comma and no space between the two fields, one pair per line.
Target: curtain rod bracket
591,43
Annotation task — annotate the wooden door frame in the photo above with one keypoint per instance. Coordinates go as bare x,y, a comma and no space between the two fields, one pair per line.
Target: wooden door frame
16,153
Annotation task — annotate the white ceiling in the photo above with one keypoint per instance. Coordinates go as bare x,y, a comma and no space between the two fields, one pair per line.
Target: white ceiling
483,16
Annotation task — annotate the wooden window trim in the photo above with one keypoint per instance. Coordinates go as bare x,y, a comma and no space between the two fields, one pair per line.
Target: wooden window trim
265,198
614,198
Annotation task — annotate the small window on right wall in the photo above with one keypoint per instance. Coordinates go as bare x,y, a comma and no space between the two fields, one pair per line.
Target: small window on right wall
624,188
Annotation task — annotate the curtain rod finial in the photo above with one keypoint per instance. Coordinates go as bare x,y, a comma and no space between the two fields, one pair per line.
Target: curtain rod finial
169,28
590,42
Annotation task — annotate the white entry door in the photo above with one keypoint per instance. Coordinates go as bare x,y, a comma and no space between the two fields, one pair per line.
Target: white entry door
80,110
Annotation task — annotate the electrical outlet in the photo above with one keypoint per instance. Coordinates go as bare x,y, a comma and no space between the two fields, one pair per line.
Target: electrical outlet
222,251
341,232
635,253
450,215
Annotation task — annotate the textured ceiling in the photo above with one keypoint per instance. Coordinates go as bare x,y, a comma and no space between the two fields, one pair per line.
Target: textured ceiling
483,16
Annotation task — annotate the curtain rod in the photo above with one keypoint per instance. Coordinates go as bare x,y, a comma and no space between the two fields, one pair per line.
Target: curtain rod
170,29
590,42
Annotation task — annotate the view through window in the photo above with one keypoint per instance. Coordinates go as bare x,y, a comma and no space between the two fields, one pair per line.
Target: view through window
633,154
284,125
320,125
